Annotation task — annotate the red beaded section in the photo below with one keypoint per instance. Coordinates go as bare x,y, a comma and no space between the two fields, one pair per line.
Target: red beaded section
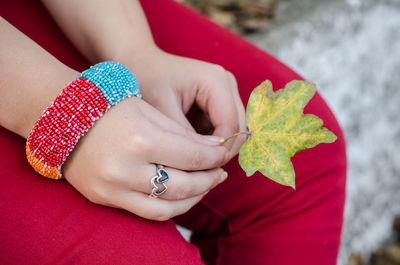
61,125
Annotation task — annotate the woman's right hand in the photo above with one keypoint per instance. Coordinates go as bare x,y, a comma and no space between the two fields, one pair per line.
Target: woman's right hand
113,164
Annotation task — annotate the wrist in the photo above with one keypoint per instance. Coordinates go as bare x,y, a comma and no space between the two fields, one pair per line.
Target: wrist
137,56
41,97
73,112
123,51
143,62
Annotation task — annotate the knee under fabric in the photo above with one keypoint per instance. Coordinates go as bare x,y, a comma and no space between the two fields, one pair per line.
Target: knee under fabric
73,112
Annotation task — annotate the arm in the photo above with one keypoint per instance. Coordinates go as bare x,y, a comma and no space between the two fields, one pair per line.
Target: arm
113,163
118,31
30,79
104,30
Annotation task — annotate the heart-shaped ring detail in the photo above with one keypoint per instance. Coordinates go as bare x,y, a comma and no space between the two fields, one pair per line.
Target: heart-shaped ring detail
161,178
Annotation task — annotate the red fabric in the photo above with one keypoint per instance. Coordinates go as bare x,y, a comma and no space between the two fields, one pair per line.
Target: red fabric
242,221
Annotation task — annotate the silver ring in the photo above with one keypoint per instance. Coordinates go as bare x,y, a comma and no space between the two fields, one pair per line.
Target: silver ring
160,179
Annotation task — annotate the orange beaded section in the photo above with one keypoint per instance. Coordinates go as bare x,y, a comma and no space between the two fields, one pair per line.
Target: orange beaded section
40,167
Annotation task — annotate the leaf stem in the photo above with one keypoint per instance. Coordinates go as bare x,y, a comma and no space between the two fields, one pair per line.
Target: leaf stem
234,135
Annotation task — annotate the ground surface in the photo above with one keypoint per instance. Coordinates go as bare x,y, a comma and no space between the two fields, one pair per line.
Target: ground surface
351,50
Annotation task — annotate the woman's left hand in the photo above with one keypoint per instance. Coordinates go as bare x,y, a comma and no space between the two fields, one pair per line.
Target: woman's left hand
199,95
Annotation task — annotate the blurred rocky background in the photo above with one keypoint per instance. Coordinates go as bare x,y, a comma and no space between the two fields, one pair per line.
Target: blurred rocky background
386,254
241,16
351,50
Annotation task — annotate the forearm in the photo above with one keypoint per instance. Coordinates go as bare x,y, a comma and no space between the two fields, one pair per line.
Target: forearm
30,79
104,30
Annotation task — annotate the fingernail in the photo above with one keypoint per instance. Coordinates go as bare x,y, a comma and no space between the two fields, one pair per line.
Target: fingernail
213,140
224,175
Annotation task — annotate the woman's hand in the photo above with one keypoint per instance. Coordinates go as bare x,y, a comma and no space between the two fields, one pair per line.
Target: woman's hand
170,83
173,84
113,164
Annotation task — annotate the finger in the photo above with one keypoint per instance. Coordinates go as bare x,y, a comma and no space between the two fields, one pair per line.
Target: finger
239,140
156,209
180,185
216,98
182,152
167,124
175,112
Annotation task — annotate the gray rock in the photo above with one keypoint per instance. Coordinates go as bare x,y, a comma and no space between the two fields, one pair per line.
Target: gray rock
238,15
386,255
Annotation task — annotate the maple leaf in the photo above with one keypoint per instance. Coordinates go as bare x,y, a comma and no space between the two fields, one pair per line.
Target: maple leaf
278,129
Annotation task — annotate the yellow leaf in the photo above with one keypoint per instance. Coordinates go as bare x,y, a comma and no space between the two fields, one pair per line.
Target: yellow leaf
278,129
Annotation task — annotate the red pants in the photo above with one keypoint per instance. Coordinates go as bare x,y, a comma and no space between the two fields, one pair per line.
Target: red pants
242,221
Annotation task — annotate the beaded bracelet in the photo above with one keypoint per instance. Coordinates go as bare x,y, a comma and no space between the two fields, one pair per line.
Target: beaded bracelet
73,112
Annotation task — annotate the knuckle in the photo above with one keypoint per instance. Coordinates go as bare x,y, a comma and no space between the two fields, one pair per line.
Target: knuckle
112,174
162,215
139,143
196,160
98,195
190,134
232,81
231,78
92,198
242,139
183,192
225,73
216,179
216,73
236,126
221,158
218,68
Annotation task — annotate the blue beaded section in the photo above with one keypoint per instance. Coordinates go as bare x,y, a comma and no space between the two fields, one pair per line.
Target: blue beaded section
114,80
